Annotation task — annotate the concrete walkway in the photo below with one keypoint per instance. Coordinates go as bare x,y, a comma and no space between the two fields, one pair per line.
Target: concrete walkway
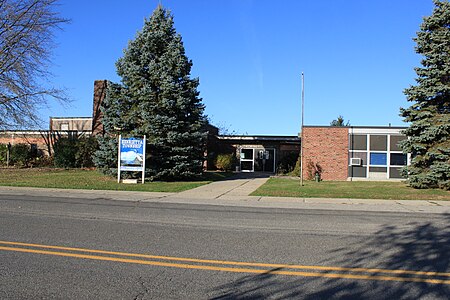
239,186
235,192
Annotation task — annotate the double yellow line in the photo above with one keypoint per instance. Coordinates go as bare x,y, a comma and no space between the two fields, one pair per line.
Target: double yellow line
231,266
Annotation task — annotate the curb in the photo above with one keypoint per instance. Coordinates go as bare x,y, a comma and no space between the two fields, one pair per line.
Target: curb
371,205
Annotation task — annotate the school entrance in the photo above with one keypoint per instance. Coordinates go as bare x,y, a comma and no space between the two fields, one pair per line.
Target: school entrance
257,159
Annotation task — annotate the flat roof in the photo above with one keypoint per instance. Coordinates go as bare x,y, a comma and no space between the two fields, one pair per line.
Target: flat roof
24,131
70,118
279,138
358,127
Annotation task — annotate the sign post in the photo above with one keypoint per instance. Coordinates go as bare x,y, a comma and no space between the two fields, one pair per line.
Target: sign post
131,156
143,160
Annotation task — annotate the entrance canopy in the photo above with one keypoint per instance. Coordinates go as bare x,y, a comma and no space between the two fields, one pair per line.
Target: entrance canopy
256,153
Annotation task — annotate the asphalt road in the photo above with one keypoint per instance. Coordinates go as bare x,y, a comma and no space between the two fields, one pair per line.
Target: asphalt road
69,248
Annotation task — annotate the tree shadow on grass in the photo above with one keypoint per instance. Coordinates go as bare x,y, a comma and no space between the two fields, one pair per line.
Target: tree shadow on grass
416,246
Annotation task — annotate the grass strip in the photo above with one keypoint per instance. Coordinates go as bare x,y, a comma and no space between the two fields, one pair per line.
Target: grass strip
288,187
94,180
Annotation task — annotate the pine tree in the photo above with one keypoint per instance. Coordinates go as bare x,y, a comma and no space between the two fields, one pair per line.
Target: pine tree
429,131
113,119
339,122
157,98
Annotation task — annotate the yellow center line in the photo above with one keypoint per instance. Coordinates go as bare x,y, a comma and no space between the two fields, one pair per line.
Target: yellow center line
227,269
235,263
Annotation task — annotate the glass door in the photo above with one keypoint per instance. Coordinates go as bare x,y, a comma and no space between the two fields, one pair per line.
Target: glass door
265,160
247,160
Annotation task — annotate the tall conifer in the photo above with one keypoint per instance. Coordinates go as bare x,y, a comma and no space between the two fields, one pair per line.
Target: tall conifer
429,115
158,98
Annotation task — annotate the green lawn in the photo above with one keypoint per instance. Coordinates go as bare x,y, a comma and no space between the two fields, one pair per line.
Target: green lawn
93,180
287,187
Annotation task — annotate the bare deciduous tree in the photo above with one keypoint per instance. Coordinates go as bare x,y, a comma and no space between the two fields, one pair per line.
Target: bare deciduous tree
26,41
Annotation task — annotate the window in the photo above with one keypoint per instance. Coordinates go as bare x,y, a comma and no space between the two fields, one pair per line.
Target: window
395,140
358,142
378,159
380,154
362,155
398,159
356,171
247,154
246,166
34,149
395,172
65,126
378,142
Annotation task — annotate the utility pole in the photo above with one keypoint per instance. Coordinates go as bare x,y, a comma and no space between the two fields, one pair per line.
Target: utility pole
301,134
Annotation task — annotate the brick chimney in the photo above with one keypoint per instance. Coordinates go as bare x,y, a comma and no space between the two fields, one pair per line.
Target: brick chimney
99,95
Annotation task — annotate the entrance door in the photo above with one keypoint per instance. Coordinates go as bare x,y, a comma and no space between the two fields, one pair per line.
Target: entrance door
265,160
257,160
247,160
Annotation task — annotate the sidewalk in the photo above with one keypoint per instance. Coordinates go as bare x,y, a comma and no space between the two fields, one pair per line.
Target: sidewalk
235,192
236,187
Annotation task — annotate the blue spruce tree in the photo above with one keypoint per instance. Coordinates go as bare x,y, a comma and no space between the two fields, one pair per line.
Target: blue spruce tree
429,132
114,108
157,98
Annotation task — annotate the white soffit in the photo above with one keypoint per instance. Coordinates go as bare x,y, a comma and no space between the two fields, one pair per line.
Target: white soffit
386,130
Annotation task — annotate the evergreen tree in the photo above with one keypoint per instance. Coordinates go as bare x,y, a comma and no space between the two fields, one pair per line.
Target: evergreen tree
429,131
339,122
157,98
114,116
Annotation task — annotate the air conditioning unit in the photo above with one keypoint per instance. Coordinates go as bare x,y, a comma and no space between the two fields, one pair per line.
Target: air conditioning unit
354,161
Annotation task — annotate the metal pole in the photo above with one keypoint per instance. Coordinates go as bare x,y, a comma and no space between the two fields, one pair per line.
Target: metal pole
118,160
143,162
301,135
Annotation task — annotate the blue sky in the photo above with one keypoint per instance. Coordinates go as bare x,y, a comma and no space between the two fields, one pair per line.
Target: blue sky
357,56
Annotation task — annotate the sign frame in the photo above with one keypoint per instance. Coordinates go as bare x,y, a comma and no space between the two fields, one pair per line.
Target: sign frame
136,149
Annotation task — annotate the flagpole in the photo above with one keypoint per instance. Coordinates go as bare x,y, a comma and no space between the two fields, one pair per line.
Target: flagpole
301,134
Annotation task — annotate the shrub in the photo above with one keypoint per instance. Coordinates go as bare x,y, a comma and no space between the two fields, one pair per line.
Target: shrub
20,155
225,162
43,161
105,157
74,152
287,163
312,169
3,154
85,151
297,167
65,150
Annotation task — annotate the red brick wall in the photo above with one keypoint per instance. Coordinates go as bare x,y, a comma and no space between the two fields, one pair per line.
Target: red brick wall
25,138
327,146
